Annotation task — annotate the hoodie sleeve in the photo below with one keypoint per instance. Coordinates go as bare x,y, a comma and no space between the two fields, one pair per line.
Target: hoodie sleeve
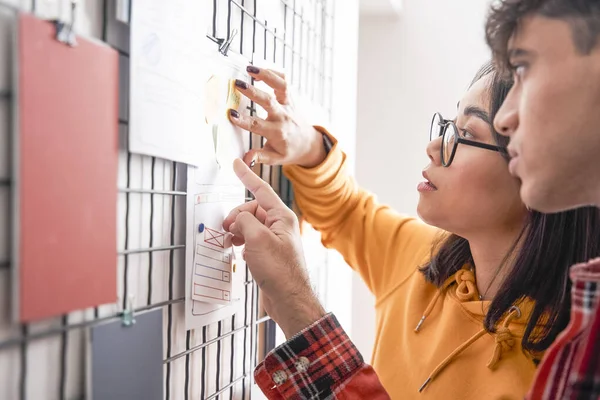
383,246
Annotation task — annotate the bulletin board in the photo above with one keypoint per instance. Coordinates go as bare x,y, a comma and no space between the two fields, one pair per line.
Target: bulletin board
48,359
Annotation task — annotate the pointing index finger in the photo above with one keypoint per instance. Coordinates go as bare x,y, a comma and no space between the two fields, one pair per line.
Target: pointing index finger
264,194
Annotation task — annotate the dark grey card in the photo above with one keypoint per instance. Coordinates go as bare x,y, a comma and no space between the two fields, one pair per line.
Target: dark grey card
126,361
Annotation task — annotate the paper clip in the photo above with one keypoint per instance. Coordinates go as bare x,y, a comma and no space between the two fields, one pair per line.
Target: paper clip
128,317
224,44
64,31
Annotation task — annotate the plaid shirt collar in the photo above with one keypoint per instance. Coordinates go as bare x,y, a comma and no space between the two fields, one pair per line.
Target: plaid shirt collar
585,293
571,367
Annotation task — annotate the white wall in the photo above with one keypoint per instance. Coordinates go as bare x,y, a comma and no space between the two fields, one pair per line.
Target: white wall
409,67
344,104
371,7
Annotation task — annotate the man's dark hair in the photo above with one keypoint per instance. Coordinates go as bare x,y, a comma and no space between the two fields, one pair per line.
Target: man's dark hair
504,18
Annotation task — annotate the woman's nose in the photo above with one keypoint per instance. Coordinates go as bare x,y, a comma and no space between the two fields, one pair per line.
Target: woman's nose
433,150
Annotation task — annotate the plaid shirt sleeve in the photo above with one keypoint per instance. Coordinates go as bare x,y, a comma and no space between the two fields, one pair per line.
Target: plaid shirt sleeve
570,369
321,362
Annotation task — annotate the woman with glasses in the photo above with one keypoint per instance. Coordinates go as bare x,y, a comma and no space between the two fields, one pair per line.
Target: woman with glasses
467,302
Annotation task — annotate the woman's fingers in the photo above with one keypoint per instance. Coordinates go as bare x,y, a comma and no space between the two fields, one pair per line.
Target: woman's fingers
269,129
274,79
260,97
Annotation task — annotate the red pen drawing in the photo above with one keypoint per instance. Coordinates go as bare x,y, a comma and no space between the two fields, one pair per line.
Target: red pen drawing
213,237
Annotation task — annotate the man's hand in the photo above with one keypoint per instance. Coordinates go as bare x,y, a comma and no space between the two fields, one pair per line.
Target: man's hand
274,254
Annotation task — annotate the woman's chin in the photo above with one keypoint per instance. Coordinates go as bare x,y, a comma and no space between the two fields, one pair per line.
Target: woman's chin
430,215
424,212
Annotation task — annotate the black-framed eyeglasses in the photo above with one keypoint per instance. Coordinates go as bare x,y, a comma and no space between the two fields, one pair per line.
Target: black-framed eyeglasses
450,139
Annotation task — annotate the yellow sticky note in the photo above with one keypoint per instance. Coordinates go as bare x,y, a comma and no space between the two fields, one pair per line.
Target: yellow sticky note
233,98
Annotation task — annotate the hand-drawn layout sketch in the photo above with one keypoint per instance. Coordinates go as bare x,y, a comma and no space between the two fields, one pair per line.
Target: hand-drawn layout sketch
213,265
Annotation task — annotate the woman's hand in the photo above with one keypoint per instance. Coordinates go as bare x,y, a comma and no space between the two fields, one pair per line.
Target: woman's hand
290,140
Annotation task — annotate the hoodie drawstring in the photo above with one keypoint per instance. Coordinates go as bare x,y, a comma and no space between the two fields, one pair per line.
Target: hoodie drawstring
504,338
449,359
466,291
433,301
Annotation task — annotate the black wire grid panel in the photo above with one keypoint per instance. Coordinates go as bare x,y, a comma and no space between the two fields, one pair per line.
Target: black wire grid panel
47,360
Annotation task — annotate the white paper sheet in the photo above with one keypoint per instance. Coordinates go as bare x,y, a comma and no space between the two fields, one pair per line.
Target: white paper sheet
213,191
168,54
215,272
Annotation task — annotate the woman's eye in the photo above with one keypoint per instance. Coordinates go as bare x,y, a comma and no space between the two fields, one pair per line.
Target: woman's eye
466,134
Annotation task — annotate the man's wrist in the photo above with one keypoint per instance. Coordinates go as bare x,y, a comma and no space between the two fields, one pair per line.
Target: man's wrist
300,314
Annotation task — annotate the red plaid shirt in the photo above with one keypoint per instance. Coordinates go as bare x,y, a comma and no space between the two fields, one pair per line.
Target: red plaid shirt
321,362
571,366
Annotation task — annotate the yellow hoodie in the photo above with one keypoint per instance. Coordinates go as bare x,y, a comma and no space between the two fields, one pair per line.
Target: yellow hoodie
450,355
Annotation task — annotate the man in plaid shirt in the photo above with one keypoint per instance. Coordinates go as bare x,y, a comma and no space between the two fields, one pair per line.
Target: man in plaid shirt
552,49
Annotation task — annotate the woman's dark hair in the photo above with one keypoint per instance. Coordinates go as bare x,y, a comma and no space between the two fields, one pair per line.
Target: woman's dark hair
543,252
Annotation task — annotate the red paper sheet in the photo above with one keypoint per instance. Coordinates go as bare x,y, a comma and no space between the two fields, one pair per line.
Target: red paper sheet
65,173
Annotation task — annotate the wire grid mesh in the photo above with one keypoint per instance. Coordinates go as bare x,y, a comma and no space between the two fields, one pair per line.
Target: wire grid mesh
47,359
